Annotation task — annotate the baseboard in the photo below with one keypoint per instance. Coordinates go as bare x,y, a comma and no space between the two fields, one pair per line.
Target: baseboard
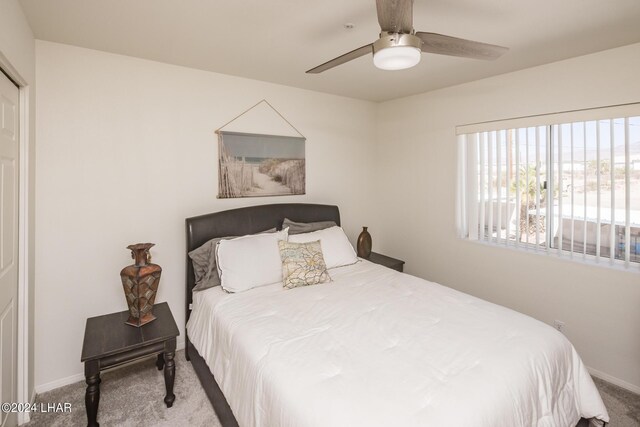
43,388
613,380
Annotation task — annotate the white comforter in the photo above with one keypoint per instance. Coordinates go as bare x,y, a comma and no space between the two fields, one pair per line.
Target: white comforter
379,348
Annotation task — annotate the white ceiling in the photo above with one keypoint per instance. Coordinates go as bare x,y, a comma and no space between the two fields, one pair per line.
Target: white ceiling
278,40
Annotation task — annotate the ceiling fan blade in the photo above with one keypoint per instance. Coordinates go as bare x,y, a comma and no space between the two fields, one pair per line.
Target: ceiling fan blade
357,53
395,16
446,45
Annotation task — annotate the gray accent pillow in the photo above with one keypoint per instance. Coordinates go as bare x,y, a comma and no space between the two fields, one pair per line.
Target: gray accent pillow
204,263
306,227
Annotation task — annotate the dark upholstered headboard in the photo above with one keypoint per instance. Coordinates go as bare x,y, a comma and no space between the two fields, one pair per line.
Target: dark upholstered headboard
249,220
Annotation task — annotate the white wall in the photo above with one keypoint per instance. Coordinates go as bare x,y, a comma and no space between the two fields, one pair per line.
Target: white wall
416,180
127,151
17,56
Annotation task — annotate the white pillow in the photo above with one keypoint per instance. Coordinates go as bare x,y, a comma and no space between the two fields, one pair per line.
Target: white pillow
336,249
250,261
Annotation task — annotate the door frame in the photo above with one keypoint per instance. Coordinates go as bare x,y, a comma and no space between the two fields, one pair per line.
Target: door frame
24,232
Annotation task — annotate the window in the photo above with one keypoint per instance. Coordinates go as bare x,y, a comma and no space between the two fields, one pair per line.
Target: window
567,184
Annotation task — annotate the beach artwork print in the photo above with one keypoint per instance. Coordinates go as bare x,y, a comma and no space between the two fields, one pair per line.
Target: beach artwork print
255,165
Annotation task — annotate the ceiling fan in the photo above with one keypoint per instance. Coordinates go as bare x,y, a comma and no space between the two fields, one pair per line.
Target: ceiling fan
400,46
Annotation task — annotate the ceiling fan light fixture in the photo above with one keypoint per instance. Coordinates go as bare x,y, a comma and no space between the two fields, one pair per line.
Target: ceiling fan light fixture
397,58
399,46
395,51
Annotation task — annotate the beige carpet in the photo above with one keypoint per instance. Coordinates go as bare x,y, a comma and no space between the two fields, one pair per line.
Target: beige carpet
623,406
133,396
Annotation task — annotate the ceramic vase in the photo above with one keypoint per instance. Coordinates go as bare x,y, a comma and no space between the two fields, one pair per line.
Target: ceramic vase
140,282
364,243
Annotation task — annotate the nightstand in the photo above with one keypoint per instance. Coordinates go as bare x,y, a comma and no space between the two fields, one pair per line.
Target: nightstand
387,261
109,342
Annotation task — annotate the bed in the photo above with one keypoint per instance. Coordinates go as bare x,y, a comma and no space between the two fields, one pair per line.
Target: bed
373,347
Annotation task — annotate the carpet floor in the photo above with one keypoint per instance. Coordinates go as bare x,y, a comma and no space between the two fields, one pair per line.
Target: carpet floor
133,396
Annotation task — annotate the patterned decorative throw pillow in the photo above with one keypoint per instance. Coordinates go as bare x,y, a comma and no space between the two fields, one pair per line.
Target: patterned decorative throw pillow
302,264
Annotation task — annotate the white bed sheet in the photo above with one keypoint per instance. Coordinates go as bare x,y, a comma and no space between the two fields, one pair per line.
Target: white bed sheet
380,348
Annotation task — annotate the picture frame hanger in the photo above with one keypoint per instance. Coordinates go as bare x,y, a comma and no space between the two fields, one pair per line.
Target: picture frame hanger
217,131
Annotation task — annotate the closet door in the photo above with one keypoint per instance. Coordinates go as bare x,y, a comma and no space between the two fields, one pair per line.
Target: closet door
9,151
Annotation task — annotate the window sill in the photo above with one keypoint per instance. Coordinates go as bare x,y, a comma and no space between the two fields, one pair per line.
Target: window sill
588,260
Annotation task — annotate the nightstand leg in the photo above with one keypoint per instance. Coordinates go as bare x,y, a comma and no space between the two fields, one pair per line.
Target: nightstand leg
92,399
160,362
169,376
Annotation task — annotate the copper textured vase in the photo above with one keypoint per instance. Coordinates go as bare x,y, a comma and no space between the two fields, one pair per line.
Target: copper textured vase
140,282
364,243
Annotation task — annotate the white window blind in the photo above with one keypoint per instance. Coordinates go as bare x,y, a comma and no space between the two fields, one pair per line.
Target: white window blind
557,184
